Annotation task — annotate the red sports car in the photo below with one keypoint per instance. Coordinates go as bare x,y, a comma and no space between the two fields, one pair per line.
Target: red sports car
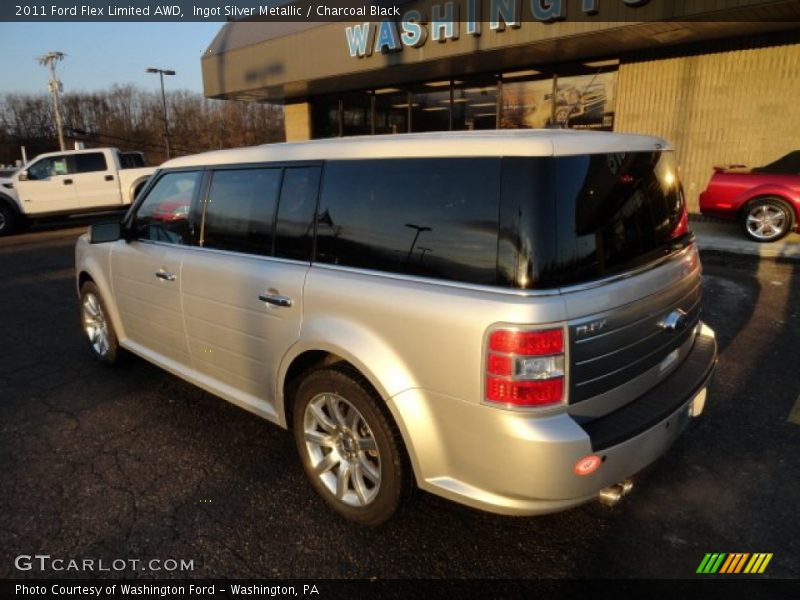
765,200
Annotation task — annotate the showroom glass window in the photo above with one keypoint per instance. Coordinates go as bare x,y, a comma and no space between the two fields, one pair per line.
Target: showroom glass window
526,100
475,103
357,113
391,110
430,106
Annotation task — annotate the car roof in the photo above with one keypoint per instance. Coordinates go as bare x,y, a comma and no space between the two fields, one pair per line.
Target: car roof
514,142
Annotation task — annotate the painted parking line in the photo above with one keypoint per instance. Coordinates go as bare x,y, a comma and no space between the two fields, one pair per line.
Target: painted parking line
794,416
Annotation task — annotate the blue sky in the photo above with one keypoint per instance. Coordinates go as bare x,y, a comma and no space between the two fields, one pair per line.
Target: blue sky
102,54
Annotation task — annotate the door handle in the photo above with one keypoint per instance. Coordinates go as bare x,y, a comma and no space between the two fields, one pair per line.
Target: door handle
166,276
68,182
276,300
109,178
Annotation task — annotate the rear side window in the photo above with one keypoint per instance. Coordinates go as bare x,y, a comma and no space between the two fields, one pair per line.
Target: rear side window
88,163
294,228
426,217
240,209
165,215
131,160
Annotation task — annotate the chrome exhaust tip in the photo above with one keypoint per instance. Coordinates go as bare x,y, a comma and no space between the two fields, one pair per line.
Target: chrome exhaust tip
613,494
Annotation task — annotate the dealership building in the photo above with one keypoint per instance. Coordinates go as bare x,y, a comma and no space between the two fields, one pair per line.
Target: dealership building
718,79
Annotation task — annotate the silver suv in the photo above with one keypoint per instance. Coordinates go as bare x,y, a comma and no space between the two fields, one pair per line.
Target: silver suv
508,319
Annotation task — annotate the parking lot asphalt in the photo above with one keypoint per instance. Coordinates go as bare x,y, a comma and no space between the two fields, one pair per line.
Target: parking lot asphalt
134,463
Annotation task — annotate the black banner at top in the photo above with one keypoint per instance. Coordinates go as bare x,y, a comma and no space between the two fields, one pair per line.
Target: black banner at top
500,13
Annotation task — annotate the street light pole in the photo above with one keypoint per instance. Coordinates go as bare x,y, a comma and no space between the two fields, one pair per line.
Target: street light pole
161,73
49,60
419,229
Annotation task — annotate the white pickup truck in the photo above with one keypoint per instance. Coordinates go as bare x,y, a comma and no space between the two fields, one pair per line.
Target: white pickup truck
71,182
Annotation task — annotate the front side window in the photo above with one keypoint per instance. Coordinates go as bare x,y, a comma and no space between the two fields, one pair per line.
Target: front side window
49,167
426,217
166,213
240,209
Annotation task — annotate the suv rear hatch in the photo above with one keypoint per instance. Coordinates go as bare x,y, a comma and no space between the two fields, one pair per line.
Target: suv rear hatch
611,232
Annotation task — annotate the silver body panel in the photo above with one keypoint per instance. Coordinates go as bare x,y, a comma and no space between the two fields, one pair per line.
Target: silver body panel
420,343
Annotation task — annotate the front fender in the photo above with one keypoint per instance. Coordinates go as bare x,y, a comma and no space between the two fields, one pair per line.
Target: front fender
94,261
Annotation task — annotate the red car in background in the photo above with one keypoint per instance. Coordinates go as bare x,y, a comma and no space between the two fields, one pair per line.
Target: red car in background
765,200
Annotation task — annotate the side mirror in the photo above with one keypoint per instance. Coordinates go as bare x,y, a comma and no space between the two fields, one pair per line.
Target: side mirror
23,175
107,231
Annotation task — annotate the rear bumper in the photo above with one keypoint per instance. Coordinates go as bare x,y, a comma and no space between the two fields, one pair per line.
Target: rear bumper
518,464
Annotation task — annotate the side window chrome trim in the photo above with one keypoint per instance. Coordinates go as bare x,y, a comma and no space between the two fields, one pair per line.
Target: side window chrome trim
503,290
234,253
439,282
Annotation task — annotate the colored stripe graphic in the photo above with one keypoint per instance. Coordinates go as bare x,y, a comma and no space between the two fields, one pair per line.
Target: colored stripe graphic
734,563
758,564
723,563
711,563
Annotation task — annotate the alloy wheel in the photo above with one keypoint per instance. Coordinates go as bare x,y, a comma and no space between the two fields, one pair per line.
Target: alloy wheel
342,449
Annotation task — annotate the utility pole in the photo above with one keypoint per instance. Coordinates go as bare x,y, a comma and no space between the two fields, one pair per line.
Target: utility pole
49,60
161,73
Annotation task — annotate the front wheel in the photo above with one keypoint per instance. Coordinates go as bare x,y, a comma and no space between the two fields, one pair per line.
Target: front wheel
8,219
350,450
97,326
767,219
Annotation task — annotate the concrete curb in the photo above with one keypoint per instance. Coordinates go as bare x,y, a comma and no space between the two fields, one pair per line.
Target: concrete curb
723,236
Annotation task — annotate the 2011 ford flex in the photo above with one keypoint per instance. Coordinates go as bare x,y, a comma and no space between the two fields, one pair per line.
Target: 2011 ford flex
510,320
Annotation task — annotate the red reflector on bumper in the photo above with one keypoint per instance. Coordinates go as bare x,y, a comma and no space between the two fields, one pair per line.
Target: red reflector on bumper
525,393
587,465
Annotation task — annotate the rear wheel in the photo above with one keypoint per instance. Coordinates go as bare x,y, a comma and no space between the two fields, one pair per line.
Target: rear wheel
767,219
350,450
96,325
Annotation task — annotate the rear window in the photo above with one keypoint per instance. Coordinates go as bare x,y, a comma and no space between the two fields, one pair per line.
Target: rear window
131,160
574,219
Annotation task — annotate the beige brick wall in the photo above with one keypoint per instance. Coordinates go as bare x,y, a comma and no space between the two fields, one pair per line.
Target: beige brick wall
297,117
738,107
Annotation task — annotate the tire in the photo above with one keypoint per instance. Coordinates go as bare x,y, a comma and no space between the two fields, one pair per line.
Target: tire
350,449
767,219
9,219
99,329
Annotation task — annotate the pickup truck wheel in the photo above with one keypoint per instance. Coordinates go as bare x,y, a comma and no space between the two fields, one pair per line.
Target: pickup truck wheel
350,450
767,219
8,219
97,326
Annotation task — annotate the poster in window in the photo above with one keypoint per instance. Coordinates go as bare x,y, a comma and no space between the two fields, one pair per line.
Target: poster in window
586,101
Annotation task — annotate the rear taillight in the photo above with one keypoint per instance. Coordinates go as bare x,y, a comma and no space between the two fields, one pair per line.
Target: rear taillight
682,226
525,368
